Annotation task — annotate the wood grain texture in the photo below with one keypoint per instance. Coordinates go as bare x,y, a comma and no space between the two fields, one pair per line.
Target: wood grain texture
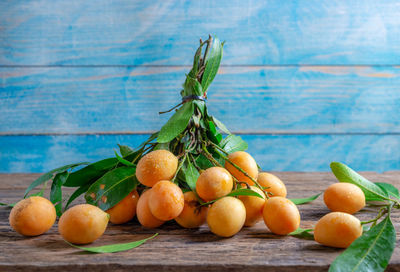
272,152
177,249
48,32
306,99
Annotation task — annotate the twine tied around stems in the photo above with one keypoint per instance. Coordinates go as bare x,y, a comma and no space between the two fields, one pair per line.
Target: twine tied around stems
184,100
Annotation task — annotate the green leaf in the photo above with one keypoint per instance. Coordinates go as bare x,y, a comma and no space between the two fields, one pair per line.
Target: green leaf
45,177
192,86
134,156
90,173
201,105
113,248
190,174
111,188
81,190
244,192
345,174
212,61
8,205
233,143
303,233
176,124
220,125
122,160
163,146
203,162
41,192
370,252
213,134
56,191
299,201
125,150
389,188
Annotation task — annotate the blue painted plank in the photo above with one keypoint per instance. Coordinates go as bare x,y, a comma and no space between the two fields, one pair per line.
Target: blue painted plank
310,99
277,153
166,32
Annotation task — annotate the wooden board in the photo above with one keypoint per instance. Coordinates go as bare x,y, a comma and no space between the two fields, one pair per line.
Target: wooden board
272,152
163,32
177,249
247,99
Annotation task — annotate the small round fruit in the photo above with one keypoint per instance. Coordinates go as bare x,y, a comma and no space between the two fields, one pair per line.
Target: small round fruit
83,224
143,214
276,186
254,207
344,197
192,216
32,216
166,200
281,215
124,210
226,216
155,166
337,229
246,162
213,183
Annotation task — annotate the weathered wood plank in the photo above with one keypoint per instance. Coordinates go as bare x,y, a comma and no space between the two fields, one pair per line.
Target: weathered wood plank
177,249
307,99
273,152
122,32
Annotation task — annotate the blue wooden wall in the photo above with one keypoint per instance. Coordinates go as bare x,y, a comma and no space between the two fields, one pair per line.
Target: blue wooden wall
305,82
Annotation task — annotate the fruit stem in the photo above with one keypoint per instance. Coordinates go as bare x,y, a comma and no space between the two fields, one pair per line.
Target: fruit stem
382,212
210,157
194,162
179,167
219,148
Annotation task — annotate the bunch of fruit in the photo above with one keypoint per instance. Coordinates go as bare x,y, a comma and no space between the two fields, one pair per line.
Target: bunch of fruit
162,200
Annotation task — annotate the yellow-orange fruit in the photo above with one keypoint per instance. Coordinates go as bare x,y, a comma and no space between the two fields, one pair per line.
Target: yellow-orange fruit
143,213
337,229
246,162
281,215
344,197
124,210
226,216
275,186
32,216
83,224
213,183
166,200
254,207
192,216
155,166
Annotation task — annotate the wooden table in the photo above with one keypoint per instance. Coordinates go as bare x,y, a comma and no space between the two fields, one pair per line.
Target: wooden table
177,249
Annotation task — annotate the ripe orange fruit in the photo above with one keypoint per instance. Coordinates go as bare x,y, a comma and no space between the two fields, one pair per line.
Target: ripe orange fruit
337,229
155,166
281,215
344,197
192,215
213,183
254,207
276,186
226,216
124,210
143,213
166,200
83,224
246,162
32,216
